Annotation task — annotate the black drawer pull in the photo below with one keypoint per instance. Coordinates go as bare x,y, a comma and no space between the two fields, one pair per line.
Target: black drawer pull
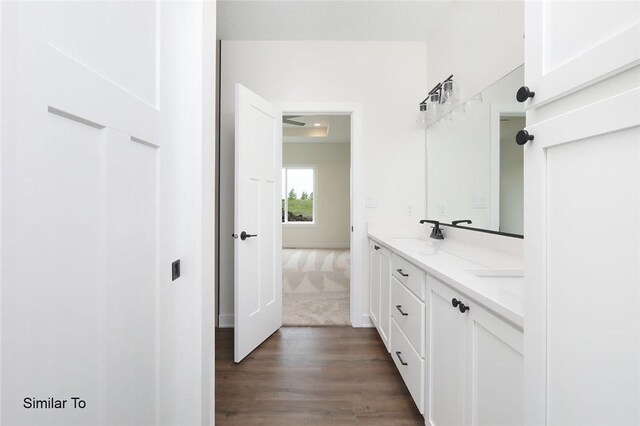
402,273
455,302
400,358
399,308
376,247
463,308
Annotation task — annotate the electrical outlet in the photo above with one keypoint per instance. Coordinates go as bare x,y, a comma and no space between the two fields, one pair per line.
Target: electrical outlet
409,210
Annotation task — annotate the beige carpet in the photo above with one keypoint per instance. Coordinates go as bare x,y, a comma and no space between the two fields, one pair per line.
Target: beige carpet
315,287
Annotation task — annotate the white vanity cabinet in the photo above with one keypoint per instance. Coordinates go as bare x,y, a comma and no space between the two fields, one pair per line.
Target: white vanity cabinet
379,289
475,371
407,325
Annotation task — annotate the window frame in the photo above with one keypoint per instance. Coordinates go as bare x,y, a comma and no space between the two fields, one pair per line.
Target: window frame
311,167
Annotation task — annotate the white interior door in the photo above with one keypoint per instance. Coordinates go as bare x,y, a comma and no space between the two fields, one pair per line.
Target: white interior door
79,211
258,222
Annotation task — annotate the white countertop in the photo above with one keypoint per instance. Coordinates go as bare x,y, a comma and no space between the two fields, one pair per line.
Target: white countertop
452,261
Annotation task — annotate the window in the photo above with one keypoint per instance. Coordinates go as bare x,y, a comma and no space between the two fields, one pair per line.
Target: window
297,195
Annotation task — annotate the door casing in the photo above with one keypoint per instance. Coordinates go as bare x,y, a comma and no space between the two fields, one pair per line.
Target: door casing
359,291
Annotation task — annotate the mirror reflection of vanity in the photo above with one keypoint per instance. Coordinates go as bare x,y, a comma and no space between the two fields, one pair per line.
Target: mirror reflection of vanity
474,166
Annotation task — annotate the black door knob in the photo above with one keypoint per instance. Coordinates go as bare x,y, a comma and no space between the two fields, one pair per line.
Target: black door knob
463,308
522,137
455,302
524,93
244,235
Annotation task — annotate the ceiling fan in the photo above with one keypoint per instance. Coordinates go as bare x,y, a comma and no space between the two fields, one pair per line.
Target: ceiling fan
287,119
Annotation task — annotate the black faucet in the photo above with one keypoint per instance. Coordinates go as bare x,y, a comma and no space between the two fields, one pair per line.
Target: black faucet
457,222
436,232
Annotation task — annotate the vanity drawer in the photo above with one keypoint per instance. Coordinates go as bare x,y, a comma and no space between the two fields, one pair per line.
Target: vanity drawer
409,275
409,363
408,311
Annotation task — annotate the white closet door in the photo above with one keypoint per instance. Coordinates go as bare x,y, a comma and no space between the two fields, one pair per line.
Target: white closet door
80,194
570,45
582,213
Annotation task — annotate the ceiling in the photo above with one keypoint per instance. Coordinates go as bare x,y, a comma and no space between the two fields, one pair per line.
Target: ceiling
391,20
332,129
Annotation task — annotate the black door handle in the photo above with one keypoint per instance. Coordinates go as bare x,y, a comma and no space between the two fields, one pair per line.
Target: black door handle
400,358
522,137
244,235
524,93
399,308
402,273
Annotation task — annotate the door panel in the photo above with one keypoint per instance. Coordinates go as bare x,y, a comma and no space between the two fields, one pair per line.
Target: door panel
374,283
564,54
385,295
79,214
446,340
495,365
593,304
258,270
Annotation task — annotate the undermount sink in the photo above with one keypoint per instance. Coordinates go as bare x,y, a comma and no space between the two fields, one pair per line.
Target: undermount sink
507,273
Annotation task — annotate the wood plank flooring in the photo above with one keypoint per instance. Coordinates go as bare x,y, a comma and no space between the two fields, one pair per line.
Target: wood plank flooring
312,376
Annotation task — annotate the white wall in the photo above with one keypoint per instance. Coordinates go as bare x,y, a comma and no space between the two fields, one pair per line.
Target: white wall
331,195
478,42
186,220
386,78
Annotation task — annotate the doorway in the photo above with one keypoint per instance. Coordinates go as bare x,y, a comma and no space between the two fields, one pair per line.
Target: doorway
316,219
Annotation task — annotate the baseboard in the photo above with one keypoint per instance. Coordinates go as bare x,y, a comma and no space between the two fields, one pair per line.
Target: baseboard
225,321
340,246
365,322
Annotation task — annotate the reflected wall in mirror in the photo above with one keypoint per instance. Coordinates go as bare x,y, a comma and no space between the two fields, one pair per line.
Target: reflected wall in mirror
474,166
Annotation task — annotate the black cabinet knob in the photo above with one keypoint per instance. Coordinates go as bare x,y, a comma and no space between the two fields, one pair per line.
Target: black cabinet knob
376,247
463,308
522,137
455,302
524,93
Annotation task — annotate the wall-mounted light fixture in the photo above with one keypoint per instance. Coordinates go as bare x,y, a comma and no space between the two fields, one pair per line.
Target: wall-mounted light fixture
442,102
429,105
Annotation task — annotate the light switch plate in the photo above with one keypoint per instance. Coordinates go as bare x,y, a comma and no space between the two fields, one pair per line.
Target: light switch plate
479,201
371,202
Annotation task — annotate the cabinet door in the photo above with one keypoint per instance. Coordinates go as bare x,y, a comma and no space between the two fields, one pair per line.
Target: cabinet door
573,44
446,340
374,282
494,370
581,170
385,295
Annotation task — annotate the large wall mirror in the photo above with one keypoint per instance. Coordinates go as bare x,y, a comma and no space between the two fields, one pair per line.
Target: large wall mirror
474,166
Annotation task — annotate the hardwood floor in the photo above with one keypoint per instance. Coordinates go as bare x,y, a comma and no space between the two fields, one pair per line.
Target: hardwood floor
312,376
